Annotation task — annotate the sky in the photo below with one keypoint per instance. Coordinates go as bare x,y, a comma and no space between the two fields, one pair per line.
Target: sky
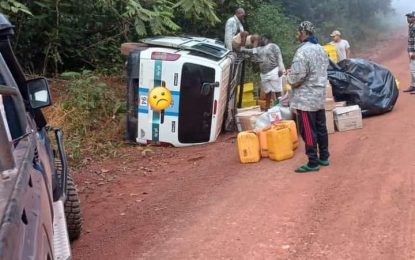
403,7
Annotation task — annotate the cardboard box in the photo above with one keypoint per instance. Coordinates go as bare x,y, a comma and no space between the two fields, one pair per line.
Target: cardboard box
329,90
348,118
253,108
329,104
341,104
245,121
330,122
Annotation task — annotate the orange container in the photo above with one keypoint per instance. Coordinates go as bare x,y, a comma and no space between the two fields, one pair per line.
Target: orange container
280,145
248,147
290,124
262,135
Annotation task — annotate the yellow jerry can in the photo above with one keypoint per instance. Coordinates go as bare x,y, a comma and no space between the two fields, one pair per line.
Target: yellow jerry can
248,147
280,145
290,124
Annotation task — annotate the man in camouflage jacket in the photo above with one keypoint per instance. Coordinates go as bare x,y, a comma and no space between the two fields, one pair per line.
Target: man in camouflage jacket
308,78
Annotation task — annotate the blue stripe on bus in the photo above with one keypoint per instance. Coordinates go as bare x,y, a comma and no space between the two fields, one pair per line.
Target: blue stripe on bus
145,111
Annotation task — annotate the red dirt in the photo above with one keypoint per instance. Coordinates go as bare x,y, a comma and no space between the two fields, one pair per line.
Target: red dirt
201,203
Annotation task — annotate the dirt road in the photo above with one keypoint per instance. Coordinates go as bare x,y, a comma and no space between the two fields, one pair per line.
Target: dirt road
200,203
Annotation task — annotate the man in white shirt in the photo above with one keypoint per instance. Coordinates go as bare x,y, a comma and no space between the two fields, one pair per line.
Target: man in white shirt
234,26
342,46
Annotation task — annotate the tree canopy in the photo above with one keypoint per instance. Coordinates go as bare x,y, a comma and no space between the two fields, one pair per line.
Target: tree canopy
55,35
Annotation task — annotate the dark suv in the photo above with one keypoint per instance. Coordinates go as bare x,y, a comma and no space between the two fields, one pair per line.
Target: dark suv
39,205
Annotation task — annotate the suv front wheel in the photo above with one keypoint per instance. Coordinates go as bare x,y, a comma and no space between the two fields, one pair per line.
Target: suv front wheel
73,210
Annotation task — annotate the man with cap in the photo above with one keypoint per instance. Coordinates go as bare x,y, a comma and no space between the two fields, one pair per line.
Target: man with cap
234,26
342,46
308,78
411,50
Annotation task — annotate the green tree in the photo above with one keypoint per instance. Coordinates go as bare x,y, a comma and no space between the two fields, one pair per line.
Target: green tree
73,34
13,7
270,19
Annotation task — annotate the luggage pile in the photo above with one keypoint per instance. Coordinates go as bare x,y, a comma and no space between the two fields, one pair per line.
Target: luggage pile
273,134
276,142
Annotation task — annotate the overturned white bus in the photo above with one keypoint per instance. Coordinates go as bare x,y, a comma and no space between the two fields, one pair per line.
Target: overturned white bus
196,72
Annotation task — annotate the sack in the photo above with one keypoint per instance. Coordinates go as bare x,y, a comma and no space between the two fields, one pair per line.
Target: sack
364,83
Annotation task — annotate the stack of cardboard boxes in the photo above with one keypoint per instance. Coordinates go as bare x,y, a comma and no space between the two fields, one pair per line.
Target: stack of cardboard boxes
330,105
348,118
339,116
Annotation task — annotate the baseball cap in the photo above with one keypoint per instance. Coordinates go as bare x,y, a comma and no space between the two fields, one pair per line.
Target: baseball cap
335,33
411,14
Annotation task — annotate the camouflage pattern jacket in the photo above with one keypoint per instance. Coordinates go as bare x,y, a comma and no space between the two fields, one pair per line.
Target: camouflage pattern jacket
411,38
269,57
309,68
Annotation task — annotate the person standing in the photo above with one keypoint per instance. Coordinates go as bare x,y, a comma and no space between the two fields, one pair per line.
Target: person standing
269,57
342,46
234,26
308,78
411,50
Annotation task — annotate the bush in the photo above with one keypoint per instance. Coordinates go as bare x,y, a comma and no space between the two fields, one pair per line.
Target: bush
90,110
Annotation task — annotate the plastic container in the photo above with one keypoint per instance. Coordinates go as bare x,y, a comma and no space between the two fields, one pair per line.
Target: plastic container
248,103
248,147
290,124
331,51
280,145
263,143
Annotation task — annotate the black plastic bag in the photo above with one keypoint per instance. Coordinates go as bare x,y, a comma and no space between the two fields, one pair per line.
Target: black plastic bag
364,83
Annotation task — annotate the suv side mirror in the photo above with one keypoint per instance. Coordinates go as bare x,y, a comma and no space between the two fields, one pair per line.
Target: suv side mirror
39,94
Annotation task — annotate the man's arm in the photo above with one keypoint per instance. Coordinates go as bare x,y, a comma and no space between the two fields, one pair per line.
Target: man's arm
348,52
298,72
